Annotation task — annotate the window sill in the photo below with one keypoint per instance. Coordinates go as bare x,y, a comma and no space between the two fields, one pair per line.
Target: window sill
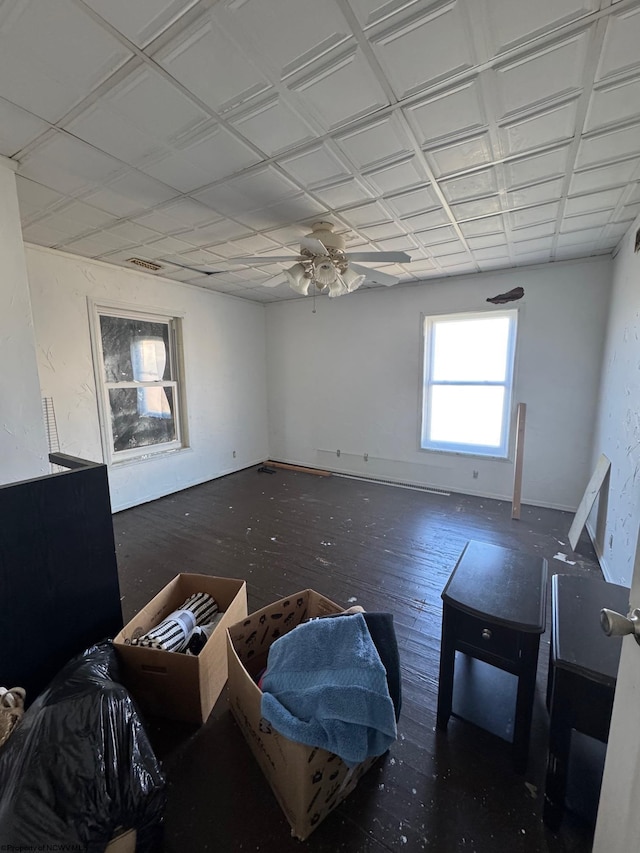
147,457
467,454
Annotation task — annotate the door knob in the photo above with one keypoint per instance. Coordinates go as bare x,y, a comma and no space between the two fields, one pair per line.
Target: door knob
616,625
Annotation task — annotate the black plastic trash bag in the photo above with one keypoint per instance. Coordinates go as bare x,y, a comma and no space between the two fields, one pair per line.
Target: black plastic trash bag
79,767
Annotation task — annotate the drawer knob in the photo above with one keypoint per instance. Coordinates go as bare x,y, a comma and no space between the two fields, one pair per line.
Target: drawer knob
486,634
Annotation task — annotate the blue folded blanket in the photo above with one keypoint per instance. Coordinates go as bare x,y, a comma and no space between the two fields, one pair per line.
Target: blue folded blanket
326,686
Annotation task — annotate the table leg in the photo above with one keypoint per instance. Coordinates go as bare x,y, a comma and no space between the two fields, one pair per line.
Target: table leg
560,725
447,663
530,644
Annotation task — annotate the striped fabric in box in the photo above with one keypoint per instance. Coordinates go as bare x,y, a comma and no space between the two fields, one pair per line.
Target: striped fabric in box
174,632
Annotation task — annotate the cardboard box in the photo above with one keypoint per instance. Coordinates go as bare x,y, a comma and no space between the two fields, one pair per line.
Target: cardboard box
123,843
170,684
308,782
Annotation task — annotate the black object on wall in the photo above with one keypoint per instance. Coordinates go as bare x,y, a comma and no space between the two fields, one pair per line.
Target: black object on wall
59,589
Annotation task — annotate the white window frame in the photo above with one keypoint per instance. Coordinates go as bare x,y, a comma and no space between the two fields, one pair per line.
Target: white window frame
176,381
502,451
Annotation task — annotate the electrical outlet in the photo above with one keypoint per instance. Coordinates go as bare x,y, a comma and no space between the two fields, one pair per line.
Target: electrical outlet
366,457
475,475
234,454
337,453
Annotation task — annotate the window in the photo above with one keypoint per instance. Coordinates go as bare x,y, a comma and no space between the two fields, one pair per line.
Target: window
468,376
137,366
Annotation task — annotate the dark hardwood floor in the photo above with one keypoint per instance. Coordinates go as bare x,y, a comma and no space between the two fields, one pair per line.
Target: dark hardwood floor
388,549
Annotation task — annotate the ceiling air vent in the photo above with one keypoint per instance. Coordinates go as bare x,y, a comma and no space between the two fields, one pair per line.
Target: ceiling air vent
146,265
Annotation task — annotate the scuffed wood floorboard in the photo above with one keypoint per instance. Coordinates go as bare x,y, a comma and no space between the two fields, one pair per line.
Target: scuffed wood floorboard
385,548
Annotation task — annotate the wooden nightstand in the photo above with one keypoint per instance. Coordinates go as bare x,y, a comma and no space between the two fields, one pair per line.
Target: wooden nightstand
583,667
494,608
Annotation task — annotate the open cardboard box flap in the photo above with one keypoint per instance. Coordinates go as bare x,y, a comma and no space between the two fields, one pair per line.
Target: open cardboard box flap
169,684
307,782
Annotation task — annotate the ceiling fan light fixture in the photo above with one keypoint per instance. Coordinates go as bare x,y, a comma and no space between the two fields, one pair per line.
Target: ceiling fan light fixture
338,287
324,272
297,279
352,280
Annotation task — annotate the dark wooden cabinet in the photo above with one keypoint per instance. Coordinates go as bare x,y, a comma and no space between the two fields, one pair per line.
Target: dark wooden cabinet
583,669
59,589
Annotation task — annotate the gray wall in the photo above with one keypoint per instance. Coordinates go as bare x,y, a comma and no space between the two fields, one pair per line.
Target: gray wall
225,377
348,377
617,432
23,444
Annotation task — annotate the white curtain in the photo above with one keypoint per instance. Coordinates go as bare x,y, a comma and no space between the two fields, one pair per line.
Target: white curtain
148,358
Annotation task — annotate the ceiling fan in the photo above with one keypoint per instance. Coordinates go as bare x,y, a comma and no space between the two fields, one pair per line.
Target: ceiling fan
321,264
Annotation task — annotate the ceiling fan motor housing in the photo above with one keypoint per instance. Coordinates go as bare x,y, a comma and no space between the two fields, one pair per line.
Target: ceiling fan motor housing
323,231
323,269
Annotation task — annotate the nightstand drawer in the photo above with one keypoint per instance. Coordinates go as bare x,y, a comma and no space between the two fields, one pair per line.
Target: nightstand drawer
487,637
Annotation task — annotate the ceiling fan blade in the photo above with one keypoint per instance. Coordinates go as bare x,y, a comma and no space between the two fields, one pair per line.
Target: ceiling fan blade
192,269
380,257
313,245
262,259
375,276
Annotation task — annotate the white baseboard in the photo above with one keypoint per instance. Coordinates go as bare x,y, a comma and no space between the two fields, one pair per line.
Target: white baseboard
183,486
423,486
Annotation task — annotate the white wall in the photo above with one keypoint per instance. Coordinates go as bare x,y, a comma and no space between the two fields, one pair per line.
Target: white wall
23,443
618,436
617,432
224,354
348,377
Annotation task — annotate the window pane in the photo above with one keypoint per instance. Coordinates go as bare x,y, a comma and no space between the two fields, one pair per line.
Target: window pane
123,342
472,350
141,417
466,415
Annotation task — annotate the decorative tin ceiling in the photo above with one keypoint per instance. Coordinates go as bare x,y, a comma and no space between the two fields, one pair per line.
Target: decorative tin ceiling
471,134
